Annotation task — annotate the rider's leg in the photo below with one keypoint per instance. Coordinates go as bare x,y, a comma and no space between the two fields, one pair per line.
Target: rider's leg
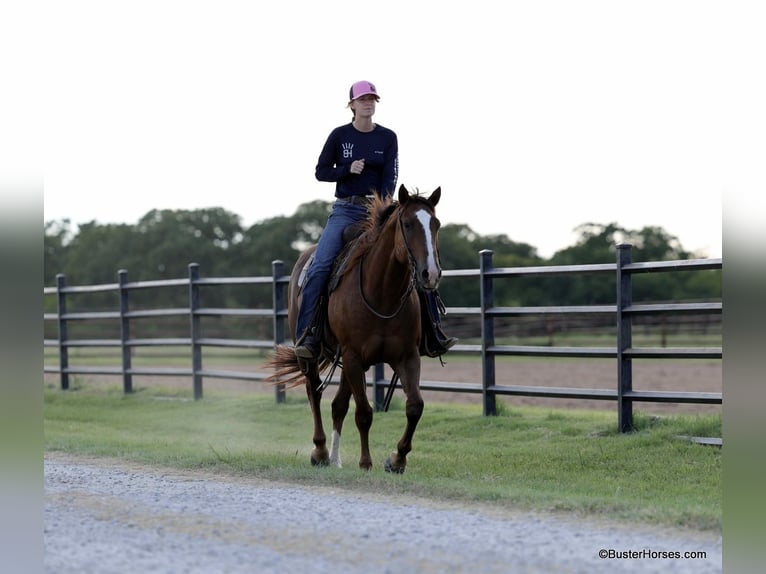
434,341
330,244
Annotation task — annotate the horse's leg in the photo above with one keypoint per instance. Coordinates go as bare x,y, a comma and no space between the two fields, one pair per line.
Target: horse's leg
339,409
363,413
319,455
410,376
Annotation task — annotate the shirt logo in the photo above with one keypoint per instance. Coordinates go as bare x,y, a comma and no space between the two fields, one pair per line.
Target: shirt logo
348,150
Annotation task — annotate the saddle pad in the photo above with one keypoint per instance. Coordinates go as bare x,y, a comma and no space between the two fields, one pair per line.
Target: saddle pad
339,268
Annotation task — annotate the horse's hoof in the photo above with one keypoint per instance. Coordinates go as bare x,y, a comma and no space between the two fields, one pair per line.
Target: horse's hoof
320,457
319,462
389,466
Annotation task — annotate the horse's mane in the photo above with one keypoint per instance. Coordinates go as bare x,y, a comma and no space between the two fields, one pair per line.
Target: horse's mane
378,213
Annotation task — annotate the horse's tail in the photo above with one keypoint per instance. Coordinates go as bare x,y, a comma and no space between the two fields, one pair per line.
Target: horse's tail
287,371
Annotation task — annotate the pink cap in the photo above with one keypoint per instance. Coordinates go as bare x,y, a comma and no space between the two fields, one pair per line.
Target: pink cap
362,88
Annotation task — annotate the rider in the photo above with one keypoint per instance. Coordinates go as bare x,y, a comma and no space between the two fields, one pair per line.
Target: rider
361,157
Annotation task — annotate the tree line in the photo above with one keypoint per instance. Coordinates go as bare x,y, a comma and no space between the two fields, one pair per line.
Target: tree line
163,243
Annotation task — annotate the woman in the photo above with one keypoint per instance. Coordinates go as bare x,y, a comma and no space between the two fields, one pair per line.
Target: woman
362,158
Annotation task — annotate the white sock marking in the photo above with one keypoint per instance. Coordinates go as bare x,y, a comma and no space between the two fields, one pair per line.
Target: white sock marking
335,449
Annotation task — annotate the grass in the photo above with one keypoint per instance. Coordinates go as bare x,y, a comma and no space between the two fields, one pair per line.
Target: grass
526,458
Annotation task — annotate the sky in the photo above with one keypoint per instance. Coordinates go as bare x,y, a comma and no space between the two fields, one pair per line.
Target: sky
533,117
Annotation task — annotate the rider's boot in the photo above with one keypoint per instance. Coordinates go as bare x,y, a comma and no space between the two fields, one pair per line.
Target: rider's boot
434,342
308,347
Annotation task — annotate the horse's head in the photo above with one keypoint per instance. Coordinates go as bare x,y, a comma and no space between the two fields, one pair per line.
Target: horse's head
420,231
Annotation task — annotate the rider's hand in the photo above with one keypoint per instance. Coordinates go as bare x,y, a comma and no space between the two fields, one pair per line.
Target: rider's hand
357,166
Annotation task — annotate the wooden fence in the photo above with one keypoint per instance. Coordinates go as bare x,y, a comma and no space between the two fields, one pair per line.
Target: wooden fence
623,311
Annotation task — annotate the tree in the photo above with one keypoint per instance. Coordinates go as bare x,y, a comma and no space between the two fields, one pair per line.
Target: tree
283,238
164,242
655,244
97,251
57,235
173,239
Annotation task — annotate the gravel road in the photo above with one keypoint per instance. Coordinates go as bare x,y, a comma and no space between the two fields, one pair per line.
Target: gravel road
105,516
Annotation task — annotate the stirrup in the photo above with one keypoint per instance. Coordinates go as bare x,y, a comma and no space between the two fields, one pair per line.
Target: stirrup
435,343
448,343
308,347
310,350
439,348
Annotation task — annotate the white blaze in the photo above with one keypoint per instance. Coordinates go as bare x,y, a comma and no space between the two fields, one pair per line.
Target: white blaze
433,269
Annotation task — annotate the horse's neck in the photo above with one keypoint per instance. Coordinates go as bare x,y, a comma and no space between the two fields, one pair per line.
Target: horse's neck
386,263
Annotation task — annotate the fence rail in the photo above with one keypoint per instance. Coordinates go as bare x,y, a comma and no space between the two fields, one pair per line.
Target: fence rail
623,312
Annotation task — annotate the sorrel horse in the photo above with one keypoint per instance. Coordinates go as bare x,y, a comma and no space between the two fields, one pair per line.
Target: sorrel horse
373,316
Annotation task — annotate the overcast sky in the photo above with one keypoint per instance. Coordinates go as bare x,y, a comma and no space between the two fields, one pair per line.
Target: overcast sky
533,117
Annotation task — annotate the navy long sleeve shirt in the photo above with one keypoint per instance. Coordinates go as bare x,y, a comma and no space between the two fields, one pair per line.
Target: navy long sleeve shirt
346,144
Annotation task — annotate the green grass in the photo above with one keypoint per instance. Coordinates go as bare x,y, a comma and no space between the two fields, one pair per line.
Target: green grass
525,458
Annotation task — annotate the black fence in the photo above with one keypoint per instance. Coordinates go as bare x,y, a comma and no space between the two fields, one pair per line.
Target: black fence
622,315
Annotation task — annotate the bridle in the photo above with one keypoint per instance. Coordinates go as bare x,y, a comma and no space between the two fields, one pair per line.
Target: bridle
410,284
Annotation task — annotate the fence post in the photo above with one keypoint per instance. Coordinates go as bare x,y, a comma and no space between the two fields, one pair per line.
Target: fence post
279,304
196,348
378,386
487,333
127,377
624,339
62,328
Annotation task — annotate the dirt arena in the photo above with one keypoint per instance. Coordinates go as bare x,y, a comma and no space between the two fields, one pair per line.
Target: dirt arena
686,376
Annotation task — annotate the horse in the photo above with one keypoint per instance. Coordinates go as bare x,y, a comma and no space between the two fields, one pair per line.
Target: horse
373,316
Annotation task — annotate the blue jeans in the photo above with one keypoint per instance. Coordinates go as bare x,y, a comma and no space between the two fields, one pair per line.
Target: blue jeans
330,245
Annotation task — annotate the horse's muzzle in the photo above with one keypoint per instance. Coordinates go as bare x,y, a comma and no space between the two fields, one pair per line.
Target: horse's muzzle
427,280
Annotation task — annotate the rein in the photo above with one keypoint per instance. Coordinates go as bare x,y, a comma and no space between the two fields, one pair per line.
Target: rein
410,286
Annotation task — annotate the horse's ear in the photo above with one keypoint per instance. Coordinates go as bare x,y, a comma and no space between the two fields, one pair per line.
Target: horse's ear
435,196
404,195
